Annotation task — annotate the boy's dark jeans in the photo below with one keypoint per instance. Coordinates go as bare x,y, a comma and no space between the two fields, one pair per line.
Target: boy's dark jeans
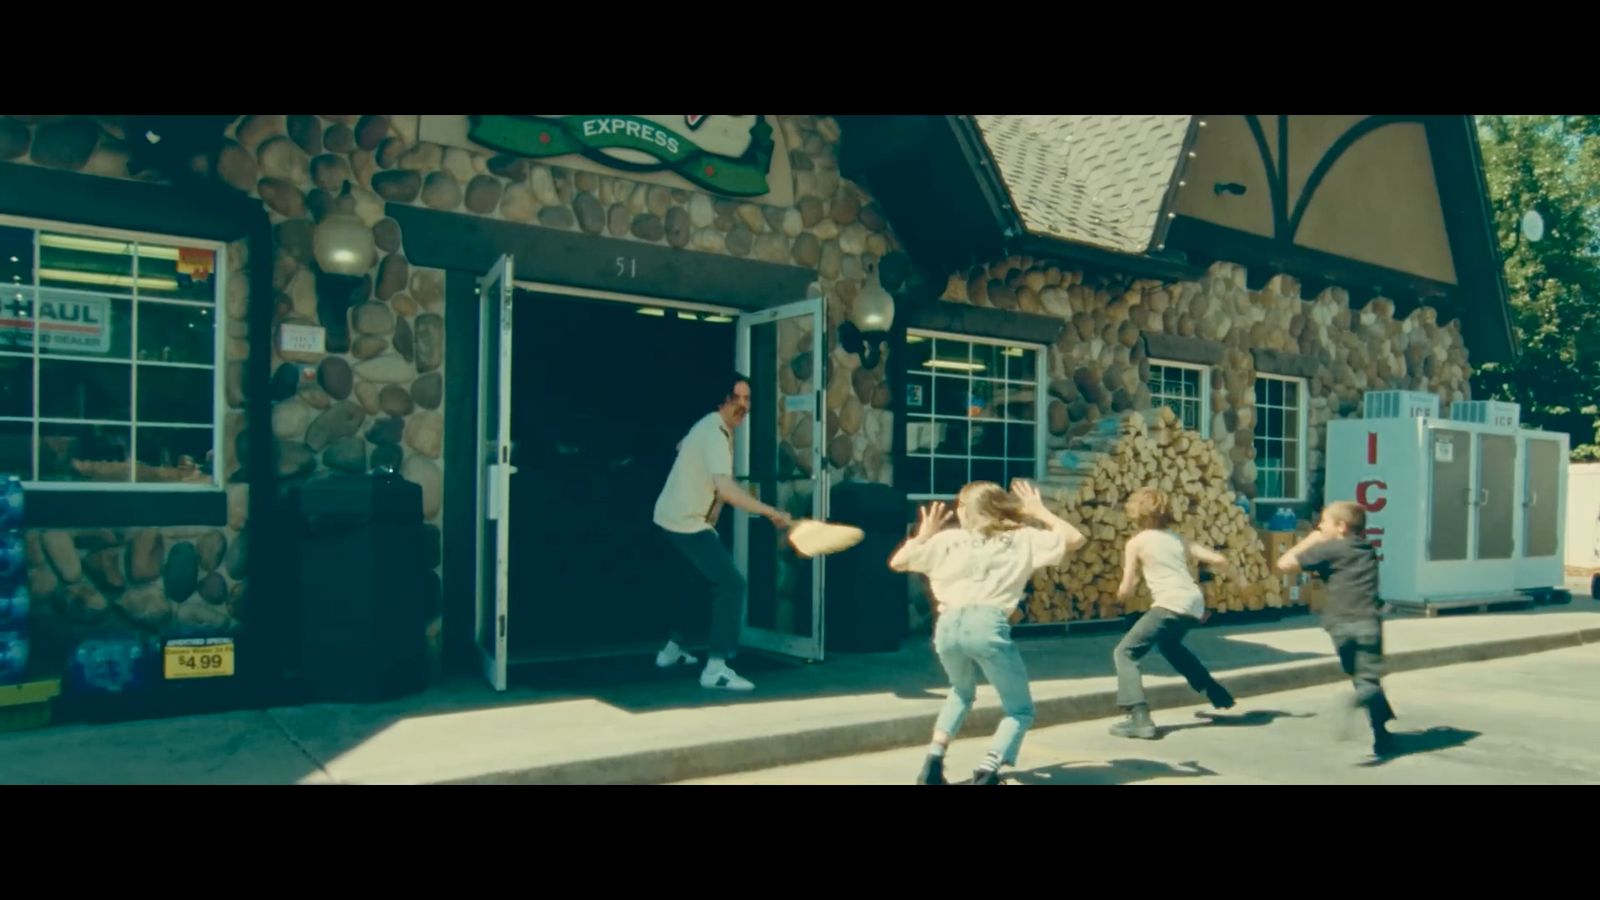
1161,629
1360,648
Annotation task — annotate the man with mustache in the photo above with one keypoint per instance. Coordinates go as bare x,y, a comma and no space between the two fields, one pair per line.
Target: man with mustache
701,480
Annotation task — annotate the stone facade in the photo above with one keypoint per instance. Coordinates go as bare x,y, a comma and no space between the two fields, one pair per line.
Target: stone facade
86,582
1100,364
155,580
377,395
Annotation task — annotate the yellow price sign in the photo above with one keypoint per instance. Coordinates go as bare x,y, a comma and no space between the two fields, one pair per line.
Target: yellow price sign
199,658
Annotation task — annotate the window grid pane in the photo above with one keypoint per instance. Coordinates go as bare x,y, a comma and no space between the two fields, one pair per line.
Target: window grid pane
1184,391
971,413
71,305
1279,416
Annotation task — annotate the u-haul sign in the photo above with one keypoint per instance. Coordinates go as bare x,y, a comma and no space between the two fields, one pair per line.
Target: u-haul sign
72,322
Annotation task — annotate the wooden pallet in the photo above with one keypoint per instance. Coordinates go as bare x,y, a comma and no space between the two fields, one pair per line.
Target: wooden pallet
1432,607
27,706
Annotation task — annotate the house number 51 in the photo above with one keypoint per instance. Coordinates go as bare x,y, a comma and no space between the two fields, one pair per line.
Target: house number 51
627,265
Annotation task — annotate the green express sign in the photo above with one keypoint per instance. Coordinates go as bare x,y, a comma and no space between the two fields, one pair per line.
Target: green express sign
725,154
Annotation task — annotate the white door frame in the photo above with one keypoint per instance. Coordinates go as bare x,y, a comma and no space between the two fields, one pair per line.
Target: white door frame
494,469
760,638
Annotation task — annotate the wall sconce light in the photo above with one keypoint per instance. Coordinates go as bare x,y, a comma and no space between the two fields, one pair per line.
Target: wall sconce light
870,319
341,242
345,250
1229,187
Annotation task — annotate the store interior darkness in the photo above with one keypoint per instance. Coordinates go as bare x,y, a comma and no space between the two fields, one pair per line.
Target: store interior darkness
603,392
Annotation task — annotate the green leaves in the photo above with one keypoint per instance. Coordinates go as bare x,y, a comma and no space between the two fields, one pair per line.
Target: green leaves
1550,164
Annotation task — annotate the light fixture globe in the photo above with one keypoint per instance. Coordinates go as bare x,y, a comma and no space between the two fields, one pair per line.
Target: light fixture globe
871,315
342,243
874,307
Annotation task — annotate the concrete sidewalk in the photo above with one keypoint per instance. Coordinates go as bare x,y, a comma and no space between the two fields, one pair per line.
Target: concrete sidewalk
632,724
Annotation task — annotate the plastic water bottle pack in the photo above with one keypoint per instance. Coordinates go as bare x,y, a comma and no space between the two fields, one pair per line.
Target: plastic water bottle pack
110,665
14,609
13,657
11,504
13,561
14,598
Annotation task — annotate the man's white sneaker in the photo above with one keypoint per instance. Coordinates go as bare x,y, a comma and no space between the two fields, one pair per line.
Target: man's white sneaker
673,655
724,679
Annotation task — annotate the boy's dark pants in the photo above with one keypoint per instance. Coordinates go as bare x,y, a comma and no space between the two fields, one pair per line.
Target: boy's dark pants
1360,648
1161,629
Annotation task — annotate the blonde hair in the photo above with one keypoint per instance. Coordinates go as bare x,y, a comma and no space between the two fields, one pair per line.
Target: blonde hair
994,509
1348,514
1149,508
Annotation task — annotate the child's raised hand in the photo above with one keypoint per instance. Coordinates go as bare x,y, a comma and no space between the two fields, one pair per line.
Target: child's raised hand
1028,494
932,519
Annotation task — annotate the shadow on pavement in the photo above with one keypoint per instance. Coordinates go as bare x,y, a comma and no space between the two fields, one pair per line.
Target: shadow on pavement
1115,771
910,673
1251,719
1411,743
286,744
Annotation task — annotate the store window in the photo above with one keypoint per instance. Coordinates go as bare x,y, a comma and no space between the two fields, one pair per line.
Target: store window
109,349
1186,390
1280,438
974,411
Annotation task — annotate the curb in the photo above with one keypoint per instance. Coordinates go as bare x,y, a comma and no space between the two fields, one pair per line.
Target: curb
770,751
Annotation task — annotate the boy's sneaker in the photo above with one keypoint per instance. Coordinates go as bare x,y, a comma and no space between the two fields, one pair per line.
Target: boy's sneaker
1136,725
1219,696
723,678
932,770
985,775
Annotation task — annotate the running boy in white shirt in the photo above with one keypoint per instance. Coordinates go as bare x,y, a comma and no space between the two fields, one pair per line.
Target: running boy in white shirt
1177,605
978,573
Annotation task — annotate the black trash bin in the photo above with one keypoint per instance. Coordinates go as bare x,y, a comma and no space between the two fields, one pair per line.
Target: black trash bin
865,601
359,576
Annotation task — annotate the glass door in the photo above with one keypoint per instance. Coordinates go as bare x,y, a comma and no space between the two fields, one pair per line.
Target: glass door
780,453
494,468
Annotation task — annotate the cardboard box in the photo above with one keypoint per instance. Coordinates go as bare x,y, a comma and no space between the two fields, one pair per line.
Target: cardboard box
1277,543
1314,593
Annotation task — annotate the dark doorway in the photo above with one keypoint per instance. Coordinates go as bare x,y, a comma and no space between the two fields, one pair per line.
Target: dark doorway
603,393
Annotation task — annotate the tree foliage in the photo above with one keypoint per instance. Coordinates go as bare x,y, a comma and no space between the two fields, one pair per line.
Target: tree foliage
1551,165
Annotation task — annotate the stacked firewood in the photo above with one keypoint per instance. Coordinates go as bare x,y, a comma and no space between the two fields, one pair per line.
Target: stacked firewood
1088,485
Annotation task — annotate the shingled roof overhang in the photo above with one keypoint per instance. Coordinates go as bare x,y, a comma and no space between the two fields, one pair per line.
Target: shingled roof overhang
1100,181
952,206
1100,190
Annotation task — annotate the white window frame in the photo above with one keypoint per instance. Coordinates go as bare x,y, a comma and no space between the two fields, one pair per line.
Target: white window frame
1205,390
1304,477
1041,402
218,364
